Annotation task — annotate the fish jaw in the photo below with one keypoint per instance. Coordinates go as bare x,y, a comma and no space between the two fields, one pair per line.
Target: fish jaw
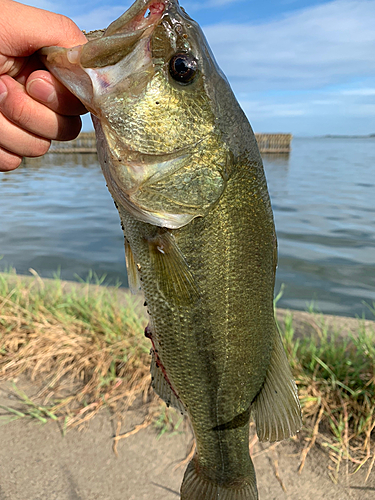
105,65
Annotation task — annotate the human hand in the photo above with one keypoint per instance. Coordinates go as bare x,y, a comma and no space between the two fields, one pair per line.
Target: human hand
34,106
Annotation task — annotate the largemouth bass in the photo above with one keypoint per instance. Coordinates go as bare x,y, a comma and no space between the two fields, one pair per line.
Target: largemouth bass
182,164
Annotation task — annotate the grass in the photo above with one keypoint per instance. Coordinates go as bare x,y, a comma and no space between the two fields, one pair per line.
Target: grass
335,374
83,345
32,410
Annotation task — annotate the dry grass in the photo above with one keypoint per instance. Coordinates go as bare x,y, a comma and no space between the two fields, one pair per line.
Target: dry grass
335,374
84,345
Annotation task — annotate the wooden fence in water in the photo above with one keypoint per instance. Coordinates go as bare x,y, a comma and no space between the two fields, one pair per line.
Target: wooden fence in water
274,143
85,143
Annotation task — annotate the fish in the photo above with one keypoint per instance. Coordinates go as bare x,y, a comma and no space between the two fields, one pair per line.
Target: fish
182,164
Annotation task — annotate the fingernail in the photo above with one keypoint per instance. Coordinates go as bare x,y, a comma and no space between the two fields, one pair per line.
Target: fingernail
41,90
3,90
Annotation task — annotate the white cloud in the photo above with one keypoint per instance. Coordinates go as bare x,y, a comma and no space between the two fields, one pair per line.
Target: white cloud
309,48
272,109
365,110
310,112
359,92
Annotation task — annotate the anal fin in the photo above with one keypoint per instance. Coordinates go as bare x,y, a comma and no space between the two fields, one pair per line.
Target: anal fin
276,408
162,386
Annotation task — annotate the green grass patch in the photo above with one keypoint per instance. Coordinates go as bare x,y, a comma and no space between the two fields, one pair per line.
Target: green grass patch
335,374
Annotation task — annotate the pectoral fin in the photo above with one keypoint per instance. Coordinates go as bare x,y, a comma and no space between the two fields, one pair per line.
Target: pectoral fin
276,409
172,272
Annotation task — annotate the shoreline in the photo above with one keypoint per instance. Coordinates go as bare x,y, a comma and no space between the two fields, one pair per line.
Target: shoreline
304,322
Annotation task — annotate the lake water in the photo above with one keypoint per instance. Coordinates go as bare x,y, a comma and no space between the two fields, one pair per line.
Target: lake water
56,214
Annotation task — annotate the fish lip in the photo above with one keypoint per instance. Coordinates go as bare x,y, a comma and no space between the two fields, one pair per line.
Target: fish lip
134,23
135,17
138,22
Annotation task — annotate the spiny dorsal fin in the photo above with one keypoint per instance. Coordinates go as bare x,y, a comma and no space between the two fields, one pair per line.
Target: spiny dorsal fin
276,409
173,274
133,278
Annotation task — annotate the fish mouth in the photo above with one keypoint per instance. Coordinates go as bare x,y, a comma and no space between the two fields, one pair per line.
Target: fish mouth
122,33
141,13
137,22
124,45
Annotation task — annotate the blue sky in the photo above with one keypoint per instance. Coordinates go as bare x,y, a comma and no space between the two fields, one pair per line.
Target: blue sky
305,67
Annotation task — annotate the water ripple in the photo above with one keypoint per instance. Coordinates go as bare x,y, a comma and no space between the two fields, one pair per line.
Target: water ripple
57,213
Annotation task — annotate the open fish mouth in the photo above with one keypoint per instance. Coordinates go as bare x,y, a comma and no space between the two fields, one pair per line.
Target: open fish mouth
120,36
110,58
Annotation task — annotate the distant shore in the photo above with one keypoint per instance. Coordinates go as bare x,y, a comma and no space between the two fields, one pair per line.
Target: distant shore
86,143
344,136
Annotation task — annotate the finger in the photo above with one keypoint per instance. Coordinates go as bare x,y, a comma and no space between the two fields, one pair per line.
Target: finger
33,63
11,65
20,67
21,142
44,87
33,117
26,22
9,161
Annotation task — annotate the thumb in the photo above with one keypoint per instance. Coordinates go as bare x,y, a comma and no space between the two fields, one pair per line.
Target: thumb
24,30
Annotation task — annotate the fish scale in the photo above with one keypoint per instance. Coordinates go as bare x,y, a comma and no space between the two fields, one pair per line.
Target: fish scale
199,359
182,164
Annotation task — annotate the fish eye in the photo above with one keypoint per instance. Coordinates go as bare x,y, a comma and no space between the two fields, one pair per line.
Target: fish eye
183,68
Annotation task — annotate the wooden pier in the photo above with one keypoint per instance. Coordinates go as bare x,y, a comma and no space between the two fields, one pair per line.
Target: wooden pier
274,143
85,143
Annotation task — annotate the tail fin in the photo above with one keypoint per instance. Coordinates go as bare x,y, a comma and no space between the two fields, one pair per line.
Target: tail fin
196,487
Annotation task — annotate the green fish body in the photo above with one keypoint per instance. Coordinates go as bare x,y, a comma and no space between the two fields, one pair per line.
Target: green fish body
182,164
